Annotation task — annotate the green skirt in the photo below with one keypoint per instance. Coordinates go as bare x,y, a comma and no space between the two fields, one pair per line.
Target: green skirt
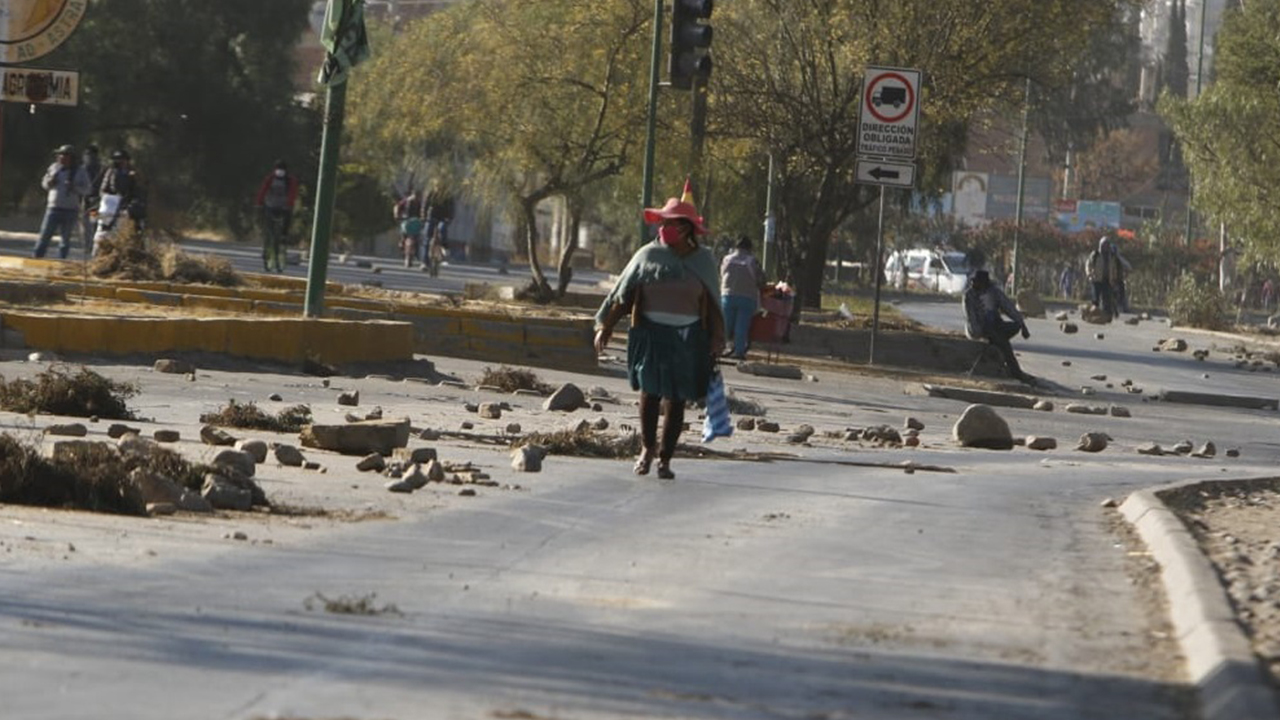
670,362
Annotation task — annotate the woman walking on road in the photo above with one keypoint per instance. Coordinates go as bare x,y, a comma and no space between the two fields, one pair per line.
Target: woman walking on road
670,289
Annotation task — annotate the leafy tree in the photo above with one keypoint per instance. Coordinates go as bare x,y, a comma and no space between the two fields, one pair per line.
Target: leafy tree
1230,135
539,98
200,93
789,74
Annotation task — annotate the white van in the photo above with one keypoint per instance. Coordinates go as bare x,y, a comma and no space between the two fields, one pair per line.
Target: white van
941,271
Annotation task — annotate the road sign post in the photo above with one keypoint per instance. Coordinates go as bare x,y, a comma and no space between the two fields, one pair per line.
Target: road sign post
887,123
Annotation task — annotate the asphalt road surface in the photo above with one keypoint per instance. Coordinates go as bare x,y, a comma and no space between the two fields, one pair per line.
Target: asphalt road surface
741,590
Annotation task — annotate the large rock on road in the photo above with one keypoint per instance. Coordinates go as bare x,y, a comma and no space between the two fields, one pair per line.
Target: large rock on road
358,438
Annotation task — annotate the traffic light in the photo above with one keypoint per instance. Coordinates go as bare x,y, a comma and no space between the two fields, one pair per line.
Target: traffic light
690,38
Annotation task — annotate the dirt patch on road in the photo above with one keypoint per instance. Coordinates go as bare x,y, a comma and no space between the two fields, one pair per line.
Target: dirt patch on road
1235,523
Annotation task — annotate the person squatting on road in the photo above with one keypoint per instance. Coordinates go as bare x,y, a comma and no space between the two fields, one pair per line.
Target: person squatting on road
276,199
741,278
983,304
67,183
670,288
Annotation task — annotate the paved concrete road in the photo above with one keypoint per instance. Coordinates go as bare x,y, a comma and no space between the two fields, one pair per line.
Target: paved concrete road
741,590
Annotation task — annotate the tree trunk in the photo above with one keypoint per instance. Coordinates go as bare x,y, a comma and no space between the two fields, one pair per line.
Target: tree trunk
539,290
570,245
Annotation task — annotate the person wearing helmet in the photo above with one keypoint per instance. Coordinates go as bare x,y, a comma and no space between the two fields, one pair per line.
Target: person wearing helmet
67,183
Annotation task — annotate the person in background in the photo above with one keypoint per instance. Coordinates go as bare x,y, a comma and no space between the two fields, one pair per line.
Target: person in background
1103,270
1067,281
1119,285
406,215
670,289
276,199
67,184
92,164
984,303
122,196
437,212
741,279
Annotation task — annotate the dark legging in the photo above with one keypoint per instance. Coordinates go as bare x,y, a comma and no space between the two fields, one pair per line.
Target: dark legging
672,424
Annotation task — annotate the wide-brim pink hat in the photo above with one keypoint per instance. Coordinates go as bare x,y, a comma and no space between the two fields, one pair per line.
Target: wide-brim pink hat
676,209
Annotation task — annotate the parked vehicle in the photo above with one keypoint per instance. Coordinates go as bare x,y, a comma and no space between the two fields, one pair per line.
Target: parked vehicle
943,271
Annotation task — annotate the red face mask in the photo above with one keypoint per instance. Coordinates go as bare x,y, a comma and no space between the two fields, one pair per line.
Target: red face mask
669,234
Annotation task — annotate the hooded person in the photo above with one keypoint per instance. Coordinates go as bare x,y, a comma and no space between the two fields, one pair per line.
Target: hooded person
1104,273
984,303
277,196
671,291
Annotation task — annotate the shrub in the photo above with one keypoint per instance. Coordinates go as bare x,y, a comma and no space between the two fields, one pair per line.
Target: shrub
512,379
1193,304
247,415
57,391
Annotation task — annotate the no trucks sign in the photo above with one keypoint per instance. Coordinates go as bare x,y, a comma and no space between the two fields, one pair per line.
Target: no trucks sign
32,28
890,113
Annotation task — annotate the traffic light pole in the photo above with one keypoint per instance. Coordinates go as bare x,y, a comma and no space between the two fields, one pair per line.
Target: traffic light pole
655,75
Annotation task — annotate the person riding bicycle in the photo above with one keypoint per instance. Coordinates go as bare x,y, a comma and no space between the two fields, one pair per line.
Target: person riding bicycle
276,199
405,212
437,211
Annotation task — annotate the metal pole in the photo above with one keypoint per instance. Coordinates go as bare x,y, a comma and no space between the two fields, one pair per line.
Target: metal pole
875,313
770,226
1022,182
1199,83
646,193
330,144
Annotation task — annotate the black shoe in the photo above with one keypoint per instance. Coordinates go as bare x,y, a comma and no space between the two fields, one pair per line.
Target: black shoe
664,471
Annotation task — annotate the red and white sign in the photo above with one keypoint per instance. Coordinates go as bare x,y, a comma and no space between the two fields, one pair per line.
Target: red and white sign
890,113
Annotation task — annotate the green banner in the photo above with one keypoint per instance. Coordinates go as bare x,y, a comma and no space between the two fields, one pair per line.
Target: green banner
343,36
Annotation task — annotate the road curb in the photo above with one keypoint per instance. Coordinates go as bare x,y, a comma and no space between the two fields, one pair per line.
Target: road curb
1227,675
290,340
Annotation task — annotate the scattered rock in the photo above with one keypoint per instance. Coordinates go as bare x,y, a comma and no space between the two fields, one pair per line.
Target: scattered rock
241,462
767,426
275,397
289,456
351,398
1233,452
217,437
1094,315
1184,447
1062,316
471,407
912,424
911,441
489,411
1069,328
40,357
801,434
311,465
416,456
1108,503
156,509
257,449
882,434
372,461
1079,409
167,436
223,494
118,430
414,477
173,367
1150,449
1131,320
467,425
1200,354
981,427
1099,336
1093,442
566,399
527,458
429,434
1099,378
1066,363
1206,450
1039,442
467,492
359,438
1173,345
513,428
399,486
746,423
1043,406
374,414
67,430
600,425
434,471
1120,411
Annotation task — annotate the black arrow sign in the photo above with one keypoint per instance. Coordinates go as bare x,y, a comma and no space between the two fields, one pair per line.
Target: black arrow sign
880,173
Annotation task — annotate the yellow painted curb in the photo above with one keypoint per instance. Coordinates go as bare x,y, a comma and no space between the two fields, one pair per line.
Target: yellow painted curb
282,339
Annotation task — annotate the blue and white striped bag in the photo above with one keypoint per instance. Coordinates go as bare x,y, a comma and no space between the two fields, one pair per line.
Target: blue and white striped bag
717,422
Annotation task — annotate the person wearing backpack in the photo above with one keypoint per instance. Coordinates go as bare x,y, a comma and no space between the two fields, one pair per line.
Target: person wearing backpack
741,278
276,199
